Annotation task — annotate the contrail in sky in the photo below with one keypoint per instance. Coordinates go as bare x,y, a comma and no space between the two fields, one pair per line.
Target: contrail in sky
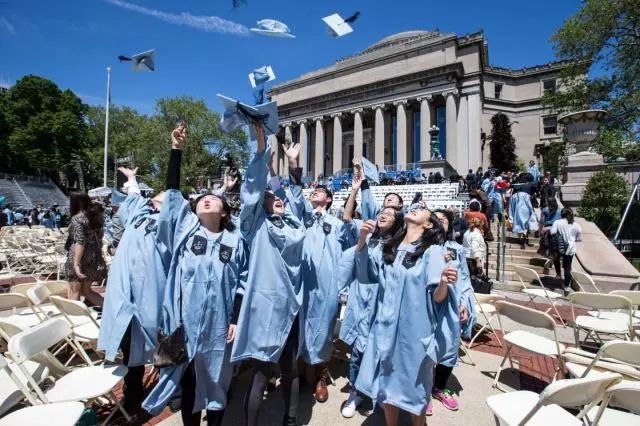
212,24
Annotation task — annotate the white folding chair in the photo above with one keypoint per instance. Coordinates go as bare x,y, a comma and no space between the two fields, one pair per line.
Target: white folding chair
13,388
485,306
616,356
19,310
527,276
85,325
526,340
82,384
596,325
528,408
634,296
21,288
59,414
624,395
584,281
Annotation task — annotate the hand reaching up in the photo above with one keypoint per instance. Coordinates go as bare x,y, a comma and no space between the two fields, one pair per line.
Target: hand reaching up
179,137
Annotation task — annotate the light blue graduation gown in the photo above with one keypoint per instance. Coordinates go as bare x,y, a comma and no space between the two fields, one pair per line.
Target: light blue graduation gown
368,205
450,328
325,238
136,282
535,172
273,293
204,277
397,365
520,211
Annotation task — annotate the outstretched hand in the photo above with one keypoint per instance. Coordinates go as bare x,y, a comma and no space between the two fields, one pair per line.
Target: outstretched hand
449,275
229,181
356,182
129,174
179,137
293,154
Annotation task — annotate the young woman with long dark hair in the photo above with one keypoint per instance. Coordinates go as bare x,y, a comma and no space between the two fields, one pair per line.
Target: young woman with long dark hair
398,362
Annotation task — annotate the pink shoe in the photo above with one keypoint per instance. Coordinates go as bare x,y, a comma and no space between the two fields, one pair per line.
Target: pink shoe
429,410
446,397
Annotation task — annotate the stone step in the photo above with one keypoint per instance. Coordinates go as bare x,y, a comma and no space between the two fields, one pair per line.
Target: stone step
536,266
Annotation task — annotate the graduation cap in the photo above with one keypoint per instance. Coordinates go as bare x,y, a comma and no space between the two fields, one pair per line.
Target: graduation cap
370,171
237,114
338,26
144,61
261,75
273,28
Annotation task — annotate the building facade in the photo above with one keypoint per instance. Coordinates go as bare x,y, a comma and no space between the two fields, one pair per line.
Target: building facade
381,103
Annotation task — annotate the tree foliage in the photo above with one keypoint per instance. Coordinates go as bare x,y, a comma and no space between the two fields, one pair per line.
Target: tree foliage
603,198
502,143
604,38
41,127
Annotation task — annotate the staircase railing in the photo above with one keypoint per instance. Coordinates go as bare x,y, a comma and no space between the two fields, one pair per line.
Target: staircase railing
501,255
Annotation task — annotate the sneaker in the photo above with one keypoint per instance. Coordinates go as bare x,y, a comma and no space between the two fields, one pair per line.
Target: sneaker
429,410
350,405
446,397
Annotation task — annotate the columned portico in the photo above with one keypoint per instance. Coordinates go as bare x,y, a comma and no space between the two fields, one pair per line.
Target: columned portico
319,148
451,117
462,133
379,136
475,129
358,133
401,133
337,141
425,125
304,146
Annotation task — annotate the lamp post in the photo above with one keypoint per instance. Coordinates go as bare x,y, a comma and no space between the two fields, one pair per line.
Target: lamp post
434,131
106,127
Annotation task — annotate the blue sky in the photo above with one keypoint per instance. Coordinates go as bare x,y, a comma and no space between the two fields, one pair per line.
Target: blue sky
73,41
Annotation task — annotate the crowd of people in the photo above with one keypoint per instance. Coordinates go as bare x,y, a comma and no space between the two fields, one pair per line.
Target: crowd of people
51,218
198,287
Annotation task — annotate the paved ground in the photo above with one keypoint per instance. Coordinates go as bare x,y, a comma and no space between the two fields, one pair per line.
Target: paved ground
473,385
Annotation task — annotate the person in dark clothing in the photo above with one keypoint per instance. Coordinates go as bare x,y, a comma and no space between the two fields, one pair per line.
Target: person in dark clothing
547,192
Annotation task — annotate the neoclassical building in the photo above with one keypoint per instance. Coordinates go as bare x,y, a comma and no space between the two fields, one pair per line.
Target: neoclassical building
381,103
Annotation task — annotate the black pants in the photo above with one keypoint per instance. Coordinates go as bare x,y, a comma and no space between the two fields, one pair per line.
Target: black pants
262,372
133,381
566,266
441,376
188,383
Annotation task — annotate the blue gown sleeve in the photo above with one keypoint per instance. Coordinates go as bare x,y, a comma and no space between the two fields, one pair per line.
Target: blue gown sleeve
346,273
134,206
243,267
367,266
176,220
252,195
369,205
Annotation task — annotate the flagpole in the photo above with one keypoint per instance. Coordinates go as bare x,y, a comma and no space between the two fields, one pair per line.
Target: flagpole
106,126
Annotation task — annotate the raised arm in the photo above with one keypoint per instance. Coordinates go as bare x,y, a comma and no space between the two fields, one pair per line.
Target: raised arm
253,188
350,207
368,205
295,198
135,205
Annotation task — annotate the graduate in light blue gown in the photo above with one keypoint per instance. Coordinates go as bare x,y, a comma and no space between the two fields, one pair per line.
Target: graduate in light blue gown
361,302
326,237
457,319
401,352
522,215
268,325
208,268
534,170
135,289
368,205
495,197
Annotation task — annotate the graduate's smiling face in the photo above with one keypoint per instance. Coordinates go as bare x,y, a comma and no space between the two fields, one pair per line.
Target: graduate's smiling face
392,200
210,204
320,197
419,214
386,219
273,204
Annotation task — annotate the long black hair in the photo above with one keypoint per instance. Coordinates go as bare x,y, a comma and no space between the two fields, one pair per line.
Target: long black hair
429,237
80,202
225,221
396,228
449,215
567,214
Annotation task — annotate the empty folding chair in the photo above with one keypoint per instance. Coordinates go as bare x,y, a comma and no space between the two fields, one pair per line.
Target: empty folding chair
596,325
634,296
19,310
485,306
59,414
88,328
529,408
21,288
57,288
625,395
82,384
584,282
527,276
616,356
525,340
13,388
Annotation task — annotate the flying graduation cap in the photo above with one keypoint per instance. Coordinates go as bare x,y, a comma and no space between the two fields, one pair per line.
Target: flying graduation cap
273,28
237,114
261,75
338,26
144,61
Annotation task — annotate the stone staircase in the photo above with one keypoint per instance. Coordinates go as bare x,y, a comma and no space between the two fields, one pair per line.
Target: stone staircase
515,255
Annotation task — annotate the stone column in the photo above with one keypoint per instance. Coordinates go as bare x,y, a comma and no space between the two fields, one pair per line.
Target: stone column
451,116
425,125
304,146
379,136
288,137
462,134
319,145
337,141
401,134
358,133
475,128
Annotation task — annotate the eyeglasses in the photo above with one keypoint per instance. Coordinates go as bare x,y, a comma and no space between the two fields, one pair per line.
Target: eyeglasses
388,215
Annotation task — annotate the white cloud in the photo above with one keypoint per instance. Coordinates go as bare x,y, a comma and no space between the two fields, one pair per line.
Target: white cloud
7,26
212,24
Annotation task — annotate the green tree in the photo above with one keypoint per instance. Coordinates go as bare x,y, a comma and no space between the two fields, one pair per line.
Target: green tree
41,127
502,143
603,37
603,197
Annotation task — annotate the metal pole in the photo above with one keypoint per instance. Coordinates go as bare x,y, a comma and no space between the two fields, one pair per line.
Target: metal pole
106,127
626,210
